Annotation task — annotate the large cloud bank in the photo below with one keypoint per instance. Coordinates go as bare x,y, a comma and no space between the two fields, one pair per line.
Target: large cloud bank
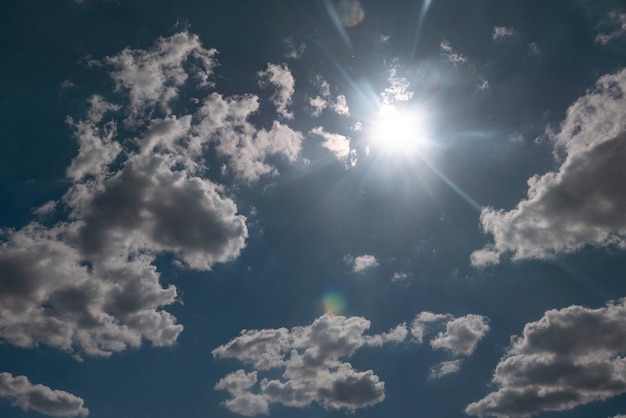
582,203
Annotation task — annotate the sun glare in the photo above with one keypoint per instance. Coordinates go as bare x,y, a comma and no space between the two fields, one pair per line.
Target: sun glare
399,131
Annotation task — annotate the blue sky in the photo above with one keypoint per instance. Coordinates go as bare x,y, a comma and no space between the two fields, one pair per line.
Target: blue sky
303,209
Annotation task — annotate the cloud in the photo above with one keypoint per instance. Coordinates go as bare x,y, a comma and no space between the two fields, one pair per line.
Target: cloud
362,262
400,276
581,203
460,338
40,398
280,77
617,21
323,100
461,335
88,284
570,357
450,54
338,144
154,77
311,359
500,32
294,51
445,368
398,89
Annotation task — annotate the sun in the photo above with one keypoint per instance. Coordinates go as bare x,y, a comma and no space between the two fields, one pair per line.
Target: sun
399,131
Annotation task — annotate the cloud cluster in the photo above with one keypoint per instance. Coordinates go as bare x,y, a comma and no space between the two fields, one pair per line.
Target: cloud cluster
87,284
281,79
324,100
311,359
460,338
569,357
581,203
40,398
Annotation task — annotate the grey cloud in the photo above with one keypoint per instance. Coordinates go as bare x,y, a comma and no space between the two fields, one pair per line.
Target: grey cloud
462,335
502,32
88,285
460,338
312,362
568,358
40,398
580,204
48,295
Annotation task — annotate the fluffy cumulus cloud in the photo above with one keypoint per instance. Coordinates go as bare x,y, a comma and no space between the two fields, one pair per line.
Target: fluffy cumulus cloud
311,360
459,338
87,284
580,204
362,262
40,398
569,357
339,145
279,76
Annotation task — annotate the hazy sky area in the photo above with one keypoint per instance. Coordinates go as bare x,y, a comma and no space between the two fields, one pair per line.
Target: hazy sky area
320,208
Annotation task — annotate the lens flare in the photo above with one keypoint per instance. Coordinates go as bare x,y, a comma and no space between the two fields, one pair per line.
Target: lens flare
333,303
350,12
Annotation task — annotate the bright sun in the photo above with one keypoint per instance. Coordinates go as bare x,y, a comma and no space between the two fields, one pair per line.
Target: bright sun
399,131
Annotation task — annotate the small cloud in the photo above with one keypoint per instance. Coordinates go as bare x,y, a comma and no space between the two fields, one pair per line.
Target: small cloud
363,262
46,209
445,368
294,51
533,49
451,55
502,32
399,277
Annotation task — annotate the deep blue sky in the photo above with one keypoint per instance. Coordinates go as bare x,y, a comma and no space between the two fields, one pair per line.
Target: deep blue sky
207,211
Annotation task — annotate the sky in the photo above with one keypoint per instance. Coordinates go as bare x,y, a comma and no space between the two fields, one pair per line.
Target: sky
324,208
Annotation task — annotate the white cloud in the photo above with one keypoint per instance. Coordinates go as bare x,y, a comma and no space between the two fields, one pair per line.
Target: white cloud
312,362
40,398
323,100
450,54
617,21
398,89
399,276
338,144
280,77
502,32
570,357
581,203
340,106
362,262
445,368
153,77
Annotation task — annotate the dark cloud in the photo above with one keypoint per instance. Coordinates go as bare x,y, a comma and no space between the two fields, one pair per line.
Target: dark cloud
569,357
